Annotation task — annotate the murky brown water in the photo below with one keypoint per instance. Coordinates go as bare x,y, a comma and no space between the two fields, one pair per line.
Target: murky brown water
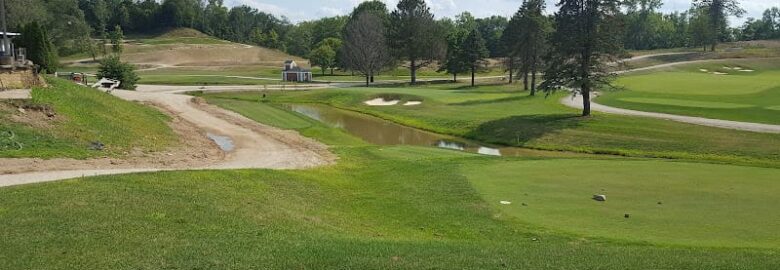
381,132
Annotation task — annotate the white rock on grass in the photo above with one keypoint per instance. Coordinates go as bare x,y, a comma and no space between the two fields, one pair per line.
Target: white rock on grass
600,197
381,102
412,103
506,202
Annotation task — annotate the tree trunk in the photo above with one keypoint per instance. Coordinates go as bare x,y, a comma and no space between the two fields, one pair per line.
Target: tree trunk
511,70
455,77
533,78
331,71
323,71
525,80
585,100
414,72
473,70
368,78
712,48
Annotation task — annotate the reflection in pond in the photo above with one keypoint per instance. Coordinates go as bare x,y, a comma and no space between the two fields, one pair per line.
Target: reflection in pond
382,132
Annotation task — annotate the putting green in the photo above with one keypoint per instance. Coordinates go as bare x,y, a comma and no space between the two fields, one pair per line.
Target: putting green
697,83
687,103
667,202
739,96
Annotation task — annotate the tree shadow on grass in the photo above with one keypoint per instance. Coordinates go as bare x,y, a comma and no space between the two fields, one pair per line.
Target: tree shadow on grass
518,130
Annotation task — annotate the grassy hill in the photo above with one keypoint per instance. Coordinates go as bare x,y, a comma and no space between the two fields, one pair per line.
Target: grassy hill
82,115
165,57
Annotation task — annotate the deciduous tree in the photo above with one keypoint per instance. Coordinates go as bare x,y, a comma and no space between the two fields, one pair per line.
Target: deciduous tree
365,47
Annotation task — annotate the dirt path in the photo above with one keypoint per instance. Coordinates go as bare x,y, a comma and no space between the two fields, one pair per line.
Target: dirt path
255,145
576,102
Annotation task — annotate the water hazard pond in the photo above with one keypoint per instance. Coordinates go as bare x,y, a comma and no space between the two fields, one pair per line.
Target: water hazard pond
382,132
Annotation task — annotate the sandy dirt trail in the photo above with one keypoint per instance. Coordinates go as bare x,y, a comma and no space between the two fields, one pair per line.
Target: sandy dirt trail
255,145
575,101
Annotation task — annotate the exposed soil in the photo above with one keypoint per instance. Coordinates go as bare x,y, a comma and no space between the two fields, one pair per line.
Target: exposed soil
256,146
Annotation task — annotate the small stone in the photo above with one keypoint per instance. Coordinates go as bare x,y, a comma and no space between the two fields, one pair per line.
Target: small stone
600,198
22,110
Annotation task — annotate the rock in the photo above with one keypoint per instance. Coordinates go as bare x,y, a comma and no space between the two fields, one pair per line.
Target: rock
97,146
506,202
600,198
22,110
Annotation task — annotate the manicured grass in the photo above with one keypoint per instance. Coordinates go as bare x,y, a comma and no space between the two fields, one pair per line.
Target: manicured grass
390,207
84,115
689,90
499,114
678,203
379,207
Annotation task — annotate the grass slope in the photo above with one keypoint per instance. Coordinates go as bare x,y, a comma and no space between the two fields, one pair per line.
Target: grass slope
85,115
738,96
379,207
497,114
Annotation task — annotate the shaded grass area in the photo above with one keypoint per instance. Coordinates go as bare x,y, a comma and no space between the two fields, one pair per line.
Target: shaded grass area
84,115
688,90
501,115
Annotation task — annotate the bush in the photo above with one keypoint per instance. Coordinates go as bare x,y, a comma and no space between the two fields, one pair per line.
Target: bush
112,67
40,49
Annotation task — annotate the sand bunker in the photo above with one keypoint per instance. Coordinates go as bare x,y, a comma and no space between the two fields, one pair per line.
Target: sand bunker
746,70
720,73
737,68
412,103
381,102
703,70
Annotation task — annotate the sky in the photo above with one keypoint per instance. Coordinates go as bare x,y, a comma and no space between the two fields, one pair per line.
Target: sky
301,10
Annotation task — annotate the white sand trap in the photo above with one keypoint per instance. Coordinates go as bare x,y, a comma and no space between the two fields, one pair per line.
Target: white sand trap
727,68
720,73
381,102
412,103
737,68
704,70
747,70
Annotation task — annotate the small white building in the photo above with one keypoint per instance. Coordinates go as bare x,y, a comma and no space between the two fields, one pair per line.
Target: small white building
293,73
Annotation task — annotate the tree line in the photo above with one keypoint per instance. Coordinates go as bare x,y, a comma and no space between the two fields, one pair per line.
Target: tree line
70,23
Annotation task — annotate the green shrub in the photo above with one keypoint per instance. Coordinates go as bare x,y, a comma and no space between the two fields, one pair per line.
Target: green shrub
112,67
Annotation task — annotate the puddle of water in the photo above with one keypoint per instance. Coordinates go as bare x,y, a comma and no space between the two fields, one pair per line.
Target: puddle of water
381,132
224,142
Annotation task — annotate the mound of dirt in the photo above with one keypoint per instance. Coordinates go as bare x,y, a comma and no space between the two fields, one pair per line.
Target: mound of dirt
211,55
181,32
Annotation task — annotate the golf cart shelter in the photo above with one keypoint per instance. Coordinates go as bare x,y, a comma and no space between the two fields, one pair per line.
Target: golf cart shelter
293,73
